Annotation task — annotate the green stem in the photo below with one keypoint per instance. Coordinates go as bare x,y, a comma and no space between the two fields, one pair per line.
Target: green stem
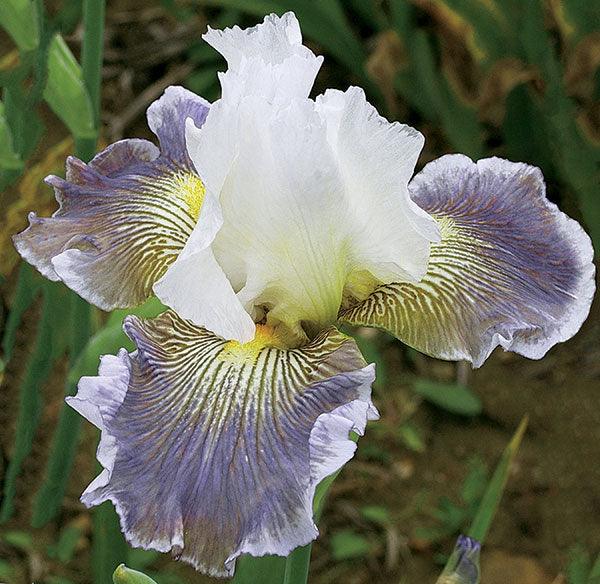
297,563
50,496
296,566
91,52
91,65
109,549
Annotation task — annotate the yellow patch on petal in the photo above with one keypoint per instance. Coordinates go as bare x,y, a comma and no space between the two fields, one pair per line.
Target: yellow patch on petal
247,353
191,189
359,286
181,184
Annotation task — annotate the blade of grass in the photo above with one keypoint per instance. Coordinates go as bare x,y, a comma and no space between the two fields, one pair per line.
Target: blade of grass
109,549
27,289
576,158
64,441
64,444
463,564
9,158
266,570
18,18
493,493
37,371
297,565
594,577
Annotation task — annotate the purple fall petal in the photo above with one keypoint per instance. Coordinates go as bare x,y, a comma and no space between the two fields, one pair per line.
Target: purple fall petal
124,217
511,269
216,448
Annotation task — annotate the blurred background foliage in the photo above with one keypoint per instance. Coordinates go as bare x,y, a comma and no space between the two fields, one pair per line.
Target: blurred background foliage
513,78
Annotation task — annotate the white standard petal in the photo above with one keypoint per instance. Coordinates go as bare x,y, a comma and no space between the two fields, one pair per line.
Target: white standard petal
284,237
268,59
314,198
198,289
376,159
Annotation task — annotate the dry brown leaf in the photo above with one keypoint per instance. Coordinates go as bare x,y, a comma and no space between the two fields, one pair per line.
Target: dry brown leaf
461,53
31,195
502,78
384,63
581,67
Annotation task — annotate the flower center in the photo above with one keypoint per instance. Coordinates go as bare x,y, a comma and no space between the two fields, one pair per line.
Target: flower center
247,353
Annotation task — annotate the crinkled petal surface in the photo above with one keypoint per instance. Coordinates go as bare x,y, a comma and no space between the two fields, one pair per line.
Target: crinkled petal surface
268,60
125,216
511,269
314,195
376,158
215,448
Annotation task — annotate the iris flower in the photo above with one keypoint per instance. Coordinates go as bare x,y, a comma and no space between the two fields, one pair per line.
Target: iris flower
262,221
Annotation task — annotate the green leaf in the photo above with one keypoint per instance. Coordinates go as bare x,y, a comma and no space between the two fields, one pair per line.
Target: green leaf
493,493
140,559
67,543
28,287
20,540
370,12
9,159
576,159
347,545
151,308
475,482
485,514
266,570
492,35
6,570
524,131
579,565
451,397
578,18
370,349
412,436
109,549
19,19
297,565
594,577
64,441
124,575
23,120
376,514
65,90
47,348
169,578
57,580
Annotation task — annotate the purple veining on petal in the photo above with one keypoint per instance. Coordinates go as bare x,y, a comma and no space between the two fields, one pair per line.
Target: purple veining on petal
167,116
511,269
538,261
124,217
217,457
